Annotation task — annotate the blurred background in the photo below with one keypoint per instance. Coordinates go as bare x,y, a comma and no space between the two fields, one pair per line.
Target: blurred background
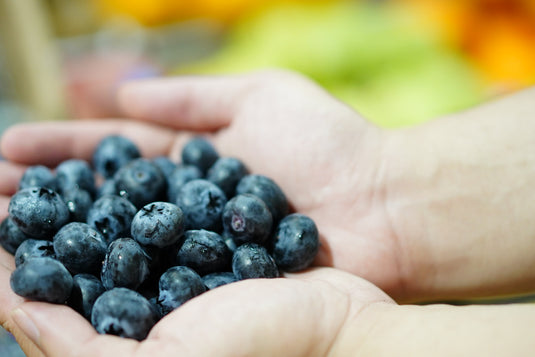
398,62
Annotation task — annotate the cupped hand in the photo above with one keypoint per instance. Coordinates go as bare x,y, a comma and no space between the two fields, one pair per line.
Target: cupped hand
325,157
308,314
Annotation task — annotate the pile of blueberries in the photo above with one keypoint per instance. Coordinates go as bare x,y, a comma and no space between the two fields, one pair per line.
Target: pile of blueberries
125,240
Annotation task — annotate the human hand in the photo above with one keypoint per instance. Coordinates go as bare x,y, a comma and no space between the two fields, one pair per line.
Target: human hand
303,314
441,210
266,120
383,200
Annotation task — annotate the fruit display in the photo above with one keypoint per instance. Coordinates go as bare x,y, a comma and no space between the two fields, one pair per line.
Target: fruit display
148,235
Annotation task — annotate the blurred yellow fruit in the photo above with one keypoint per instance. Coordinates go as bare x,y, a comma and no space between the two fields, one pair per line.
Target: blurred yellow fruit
154,12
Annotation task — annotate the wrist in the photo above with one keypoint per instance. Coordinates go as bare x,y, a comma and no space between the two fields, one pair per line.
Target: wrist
460,201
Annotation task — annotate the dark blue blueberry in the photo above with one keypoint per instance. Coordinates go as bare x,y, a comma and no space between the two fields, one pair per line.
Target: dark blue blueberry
204,251
125,313
38,176
177,285
199,152
141,182
158,223
212,281
107,188
268,191
42,279
179,177
226,172
78,202
39,212
296,242
112,216
112,153
165,164
202,203
11,236
252,261
34,248
126,265
247,219
85,291
75,173
80,248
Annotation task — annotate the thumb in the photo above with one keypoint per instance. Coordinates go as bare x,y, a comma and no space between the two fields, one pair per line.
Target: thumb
57,330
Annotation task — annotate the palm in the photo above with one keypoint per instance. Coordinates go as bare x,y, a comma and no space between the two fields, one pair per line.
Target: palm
301,315
322,154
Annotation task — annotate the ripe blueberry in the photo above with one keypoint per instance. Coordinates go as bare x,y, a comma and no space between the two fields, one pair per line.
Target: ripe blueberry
112,153
247,219
202,203
177,285
296,242
251,261
123,312
39,212
158,223
199,152
42,279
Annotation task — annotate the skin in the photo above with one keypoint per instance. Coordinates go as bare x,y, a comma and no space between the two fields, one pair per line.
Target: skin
419,212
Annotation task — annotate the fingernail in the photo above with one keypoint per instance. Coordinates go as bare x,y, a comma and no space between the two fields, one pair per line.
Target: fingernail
25,323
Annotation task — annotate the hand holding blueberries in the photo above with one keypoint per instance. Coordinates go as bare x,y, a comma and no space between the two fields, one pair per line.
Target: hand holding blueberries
407,210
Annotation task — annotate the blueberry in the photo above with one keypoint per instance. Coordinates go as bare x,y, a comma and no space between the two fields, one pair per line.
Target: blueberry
38,176
226,172
125,265
251,260
75,173
34,248
11,236
39,212
296,242
107,188
42,279
85,291
80,248
78,202
212,281
204,251
202,203
141,182
247,219
158,223
165,164
177,285
123,312
112,216
179,177
268,191
199,152
112,153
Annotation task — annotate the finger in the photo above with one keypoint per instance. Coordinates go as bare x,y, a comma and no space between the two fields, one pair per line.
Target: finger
192,102
58,330
52,142
360,289
8,301
245,316
11,174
